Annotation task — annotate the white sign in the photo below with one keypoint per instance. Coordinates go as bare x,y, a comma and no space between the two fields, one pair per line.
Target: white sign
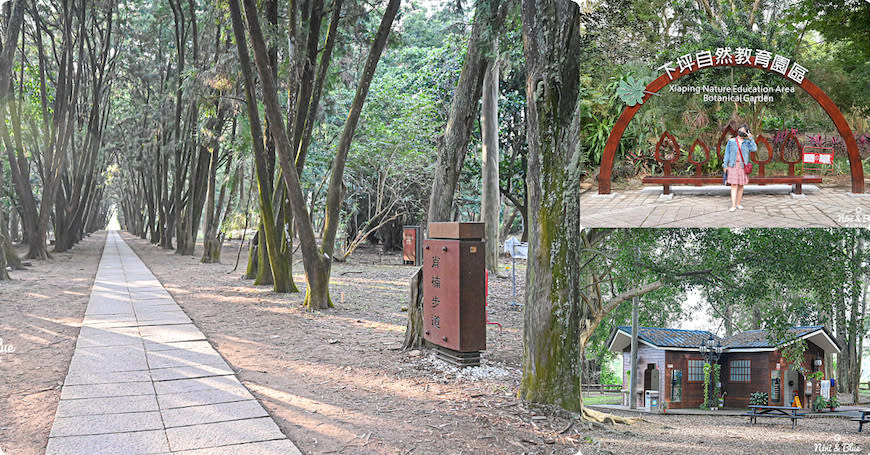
741,56
826,389
516,249
733,93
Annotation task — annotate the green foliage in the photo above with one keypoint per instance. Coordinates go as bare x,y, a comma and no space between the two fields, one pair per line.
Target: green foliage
635,37
758,398
711,381
834,401
757,276
838,21
707,399
820,403
793,352
608,376
815,376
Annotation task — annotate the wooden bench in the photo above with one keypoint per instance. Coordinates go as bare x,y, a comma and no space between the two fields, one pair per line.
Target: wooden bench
667,180
864,418
785,412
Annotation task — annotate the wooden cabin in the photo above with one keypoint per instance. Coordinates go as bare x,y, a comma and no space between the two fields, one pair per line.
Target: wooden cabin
749,363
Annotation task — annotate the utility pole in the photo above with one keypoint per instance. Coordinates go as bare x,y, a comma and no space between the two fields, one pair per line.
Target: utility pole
632,388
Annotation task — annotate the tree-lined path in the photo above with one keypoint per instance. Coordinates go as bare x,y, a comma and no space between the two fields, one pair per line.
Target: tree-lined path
144,379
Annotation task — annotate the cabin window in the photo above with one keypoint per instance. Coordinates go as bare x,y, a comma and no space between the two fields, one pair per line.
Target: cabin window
676,385
696,371
740,370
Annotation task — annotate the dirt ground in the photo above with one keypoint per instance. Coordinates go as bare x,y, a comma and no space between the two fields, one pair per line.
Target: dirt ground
721,435
41,312
336,381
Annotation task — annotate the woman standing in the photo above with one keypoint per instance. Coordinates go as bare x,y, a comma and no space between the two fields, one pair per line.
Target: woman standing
737,153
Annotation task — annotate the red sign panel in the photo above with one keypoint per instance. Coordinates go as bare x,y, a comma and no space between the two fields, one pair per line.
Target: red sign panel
454,286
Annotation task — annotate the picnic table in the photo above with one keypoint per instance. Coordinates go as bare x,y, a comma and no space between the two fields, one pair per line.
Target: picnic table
864,417
787,412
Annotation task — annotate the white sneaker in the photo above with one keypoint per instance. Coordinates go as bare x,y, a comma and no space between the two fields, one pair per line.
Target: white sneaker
732,209
740,207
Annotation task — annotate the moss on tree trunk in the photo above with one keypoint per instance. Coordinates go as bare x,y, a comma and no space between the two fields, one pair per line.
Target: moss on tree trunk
556,322
317,292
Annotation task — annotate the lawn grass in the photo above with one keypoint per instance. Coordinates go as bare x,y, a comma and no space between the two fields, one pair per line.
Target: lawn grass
593,398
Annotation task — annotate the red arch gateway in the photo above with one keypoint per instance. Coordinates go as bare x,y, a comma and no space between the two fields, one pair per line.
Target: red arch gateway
662,81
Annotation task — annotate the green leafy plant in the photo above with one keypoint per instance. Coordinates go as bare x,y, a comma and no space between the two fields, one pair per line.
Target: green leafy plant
815,376
758,398
833,402
706,403
820,403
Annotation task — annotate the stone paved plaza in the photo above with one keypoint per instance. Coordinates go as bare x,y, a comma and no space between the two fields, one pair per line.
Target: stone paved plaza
708,207
144,379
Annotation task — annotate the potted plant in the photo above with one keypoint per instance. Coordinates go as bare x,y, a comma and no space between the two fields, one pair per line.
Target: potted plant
722,399
820,403
833,402
758,398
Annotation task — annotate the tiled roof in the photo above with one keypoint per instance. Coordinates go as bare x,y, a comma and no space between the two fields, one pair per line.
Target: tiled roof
676,338
758,338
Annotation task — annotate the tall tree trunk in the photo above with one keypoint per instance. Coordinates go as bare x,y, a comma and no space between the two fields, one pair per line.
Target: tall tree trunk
843,358
508,222
13,27
19,167
557,323
414,330
856,375
452,146
211,244
490,201
4,241
13,225
270,239
729,323
334,195
253,256
856,325
7,250
316,261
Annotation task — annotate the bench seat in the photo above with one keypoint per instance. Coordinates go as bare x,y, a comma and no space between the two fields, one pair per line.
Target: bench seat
798,416
794,417
861,422
668,180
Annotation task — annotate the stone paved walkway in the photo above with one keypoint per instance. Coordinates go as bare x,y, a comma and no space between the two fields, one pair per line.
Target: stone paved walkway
645,208
144,380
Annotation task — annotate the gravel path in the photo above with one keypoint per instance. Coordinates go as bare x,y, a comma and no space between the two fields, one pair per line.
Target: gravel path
672,434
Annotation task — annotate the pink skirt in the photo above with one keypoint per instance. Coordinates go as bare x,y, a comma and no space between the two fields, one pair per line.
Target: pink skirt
736,176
